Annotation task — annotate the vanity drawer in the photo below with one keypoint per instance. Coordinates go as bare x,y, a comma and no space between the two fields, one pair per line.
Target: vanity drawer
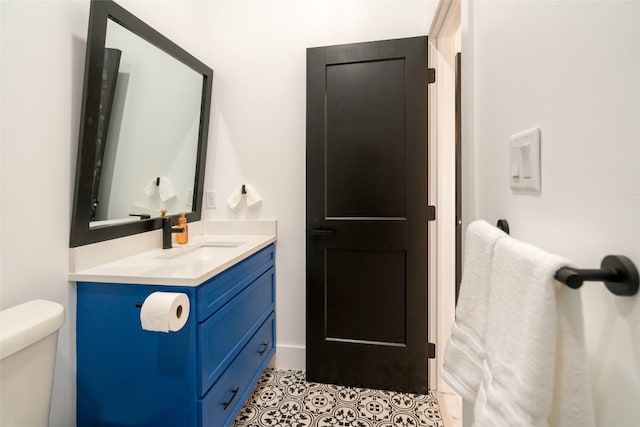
220,406
220,289
225,333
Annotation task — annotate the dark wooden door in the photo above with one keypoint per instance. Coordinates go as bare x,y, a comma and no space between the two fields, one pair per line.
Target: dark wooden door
367,214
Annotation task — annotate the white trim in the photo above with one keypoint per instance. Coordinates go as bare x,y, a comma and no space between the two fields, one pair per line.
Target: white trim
290,357
443,47
447,9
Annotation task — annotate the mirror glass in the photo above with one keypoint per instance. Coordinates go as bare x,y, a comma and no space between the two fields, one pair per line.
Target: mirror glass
146,151
143,131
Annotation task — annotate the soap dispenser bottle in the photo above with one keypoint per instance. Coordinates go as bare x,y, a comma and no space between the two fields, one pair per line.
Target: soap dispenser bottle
182,238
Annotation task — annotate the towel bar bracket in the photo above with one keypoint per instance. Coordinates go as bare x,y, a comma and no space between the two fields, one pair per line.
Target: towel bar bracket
627,281
618,273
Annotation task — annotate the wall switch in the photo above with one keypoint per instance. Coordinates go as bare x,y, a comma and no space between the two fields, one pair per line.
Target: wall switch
525,160
211,199
516,162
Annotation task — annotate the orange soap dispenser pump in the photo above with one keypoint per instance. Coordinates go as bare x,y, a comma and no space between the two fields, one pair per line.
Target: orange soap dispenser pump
183,237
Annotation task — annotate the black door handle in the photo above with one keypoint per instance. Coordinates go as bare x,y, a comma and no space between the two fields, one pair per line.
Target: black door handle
322,231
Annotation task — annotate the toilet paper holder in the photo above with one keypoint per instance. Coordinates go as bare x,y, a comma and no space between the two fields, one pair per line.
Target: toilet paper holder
139,305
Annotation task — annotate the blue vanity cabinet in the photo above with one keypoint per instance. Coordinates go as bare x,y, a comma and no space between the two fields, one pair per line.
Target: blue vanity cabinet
199,376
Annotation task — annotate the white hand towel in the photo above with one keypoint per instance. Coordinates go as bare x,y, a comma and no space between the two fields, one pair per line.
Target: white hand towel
166,189
465,353
234,198
151,187
252,196
529,359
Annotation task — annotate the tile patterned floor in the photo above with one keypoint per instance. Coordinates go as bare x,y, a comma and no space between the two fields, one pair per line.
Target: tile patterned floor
284,399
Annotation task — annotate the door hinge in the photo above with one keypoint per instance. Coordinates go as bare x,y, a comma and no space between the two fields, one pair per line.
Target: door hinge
431,75
431,350
431,213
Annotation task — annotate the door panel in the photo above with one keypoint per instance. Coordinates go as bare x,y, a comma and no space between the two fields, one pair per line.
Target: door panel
365,139
367,214
359,285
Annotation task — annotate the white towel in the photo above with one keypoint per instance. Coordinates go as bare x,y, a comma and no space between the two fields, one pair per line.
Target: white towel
572,399
234,199
464,354
151,188
252,196
535,356
164,188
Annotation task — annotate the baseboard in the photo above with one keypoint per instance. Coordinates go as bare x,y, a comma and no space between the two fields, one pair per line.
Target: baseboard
290,357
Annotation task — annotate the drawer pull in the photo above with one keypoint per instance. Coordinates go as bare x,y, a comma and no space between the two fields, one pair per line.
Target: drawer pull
226,404
265,346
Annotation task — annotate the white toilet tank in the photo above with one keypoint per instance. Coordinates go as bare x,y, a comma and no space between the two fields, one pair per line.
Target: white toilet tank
28,341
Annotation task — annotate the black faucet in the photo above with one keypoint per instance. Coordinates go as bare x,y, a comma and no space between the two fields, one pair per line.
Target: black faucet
167,230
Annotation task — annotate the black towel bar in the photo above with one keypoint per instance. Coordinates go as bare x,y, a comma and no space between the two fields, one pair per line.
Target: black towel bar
618,272
503,225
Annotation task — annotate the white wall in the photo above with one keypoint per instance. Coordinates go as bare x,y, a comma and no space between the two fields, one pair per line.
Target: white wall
257,51
42,61
42,65
570,68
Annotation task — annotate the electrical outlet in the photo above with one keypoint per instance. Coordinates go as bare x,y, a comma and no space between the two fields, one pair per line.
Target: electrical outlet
211,199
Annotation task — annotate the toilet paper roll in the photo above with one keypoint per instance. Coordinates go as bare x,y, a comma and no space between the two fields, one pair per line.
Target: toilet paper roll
164,312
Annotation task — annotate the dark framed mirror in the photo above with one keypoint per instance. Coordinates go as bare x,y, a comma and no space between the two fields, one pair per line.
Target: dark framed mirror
143,129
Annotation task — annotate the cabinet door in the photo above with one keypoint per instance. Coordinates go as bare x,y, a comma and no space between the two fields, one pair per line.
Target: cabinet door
128,376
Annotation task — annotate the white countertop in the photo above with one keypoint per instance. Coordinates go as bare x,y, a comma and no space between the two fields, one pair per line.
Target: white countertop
177,266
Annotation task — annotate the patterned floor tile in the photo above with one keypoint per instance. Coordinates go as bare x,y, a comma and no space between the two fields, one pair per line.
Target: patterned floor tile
285,399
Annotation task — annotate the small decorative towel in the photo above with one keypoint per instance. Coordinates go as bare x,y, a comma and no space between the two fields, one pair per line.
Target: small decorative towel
166,189
464,354
152,187
234,199
162,186
252,196
535,356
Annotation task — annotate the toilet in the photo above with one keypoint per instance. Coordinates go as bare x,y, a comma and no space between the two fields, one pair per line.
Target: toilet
28,341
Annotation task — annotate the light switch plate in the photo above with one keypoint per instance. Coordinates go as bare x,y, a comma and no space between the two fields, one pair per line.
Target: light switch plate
525,160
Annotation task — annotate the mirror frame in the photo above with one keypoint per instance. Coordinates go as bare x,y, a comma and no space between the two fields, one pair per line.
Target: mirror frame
100,13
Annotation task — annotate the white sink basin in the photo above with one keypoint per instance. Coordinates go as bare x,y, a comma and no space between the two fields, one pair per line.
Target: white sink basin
203,251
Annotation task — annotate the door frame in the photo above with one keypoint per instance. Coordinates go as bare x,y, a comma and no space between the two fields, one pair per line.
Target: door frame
444,43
